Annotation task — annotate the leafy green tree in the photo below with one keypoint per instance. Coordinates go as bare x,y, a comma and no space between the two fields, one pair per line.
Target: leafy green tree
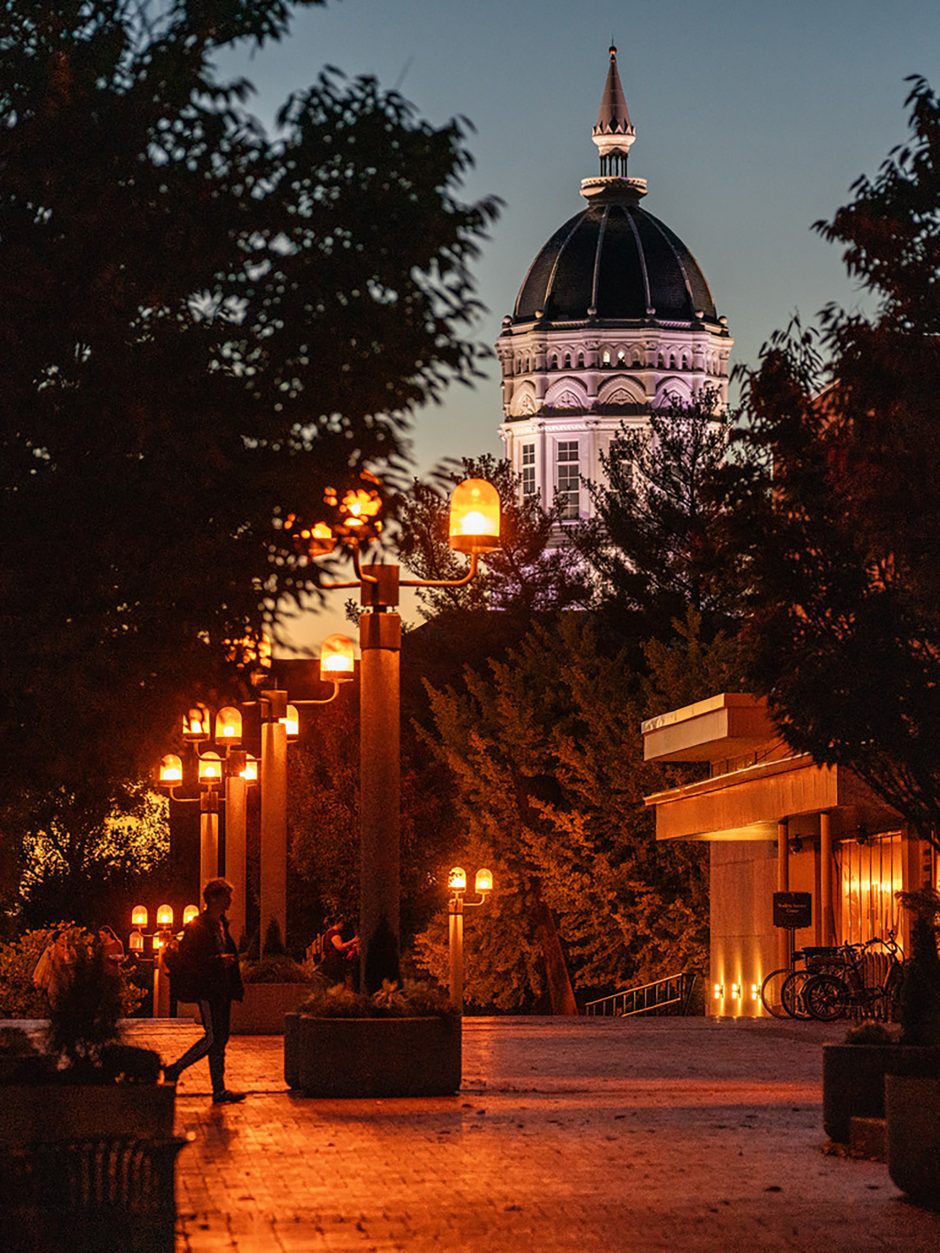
651,543
204,327
840,539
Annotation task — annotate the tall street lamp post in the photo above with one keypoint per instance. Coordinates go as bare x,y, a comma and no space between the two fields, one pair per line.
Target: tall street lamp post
280,723
474,529
457,883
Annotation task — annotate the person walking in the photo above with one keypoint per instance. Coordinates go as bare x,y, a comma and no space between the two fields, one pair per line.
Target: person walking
206,971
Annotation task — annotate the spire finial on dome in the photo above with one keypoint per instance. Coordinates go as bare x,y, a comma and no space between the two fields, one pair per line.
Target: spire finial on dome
613,131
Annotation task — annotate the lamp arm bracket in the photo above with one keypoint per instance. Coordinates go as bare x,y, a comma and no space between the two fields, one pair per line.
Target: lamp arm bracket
444,582
326,700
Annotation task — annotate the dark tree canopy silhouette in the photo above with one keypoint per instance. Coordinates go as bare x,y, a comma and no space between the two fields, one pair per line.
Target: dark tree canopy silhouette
203,327
841,539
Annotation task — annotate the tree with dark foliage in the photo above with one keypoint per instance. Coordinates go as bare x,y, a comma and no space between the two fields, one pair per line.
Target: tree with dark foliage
841,538
652,541
203,329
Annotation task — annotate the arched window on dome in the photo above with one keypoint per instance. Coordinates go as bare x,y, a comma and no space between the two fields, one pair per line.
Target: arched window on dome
605,357
580,360
554,364
672,361
637,359
685,361
567,360
518,365
621,357
660,362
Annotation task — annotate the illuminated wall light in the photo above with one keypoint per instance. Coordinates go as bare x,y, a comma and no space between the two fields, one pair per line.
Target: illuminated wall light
735,991
755,991
718,991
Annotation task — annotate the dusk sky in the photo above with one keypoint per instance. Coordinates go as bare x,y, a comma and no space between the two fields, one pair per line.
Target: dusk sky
752,118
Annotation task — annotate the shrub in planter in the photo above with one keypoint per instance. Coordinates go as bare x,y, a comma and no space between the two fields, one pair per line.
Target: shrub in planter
274,986
402,1041
85,1082
853,1077
912,1087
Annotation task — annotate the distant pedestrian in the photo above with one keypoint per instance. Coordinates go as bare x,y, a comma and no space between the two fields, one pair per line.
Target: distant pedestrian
53,972
340,956
112,950
206,971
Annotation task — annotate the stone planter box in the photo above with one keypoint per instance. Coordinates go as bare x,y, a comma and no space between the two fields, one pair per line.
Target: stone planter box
59,1111
265,1004
854,1080
372,1057
912,1109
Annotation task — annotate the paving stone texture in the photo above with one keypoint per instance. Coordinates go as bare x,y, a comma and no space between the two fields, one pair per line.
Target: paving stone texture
655,1134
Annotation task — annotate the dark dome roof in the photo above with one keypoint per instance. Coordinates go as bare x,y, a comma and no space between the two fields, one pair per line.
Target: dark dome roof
619,261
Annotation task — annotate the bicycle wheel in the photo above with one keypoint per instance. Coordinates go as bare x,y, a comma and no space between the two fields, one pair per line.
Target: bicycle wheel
826,997
792,994
771,992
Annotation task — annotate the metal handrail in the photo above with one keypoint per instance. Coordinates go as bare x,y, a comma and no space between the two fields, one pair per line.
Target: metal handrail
647,998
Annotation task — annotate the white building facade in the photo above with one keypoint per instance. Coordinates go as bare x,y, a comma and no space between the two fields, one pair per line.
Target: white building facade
613,319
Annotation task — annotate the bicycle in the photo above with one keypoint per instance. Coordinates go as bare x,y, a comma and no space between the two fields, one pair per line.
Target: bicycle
866,982
783,990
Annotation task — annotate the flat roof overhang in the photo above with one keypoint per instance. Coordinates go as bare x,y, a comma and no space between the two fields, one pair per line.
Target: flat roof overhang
725,726
747,804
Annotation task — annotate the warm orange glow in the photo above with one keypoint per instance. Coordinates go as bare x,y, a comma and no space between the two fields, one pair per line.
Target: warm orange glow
474,517
292,722
171,770
457,879
484,881
719,991
228,725
136,942
196,724
735,991
189,913
319,539
250,770
337,659
139,916
210,768
359,506
755,991
252,651
165,916
157,942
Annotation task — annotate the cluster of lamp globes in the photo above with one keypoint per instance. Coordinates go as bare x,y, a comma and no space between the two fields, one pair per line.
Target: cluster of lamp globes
140,917
474,528
474,519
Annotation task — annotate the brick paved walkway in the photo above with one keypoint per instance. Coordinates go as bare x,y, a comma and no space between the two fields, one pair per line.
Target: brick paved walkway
665,1134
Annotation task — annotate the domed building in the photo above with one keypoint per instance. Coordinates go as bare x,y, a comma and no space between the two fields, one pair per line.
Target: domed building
613,319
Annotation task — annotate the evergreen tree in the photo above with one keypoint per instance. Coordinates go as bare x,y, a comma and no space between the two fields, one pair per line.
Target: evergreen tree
651,543
840,539
545,761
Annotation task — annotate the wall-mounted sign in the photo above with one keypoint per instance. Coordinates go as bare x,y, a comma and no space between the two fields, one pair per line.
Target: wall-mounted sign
793,910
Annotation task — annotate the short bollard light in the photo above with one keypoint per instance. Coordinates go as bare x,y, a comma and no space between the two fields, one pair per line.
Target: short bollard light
457,885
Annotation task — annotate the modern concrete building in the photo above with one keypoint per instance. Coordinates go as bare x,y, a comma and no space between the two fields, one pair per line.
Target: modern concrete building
777,822
613,318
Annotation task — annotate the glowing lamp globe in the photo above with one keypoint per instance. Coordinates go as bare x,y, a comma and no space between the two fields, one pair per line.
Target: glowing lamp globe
474,517
196,724
165,916
139,916
189,913
136,942
250,770
457,879
337,659
171,771
291,721
228,725
210,769
483,882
